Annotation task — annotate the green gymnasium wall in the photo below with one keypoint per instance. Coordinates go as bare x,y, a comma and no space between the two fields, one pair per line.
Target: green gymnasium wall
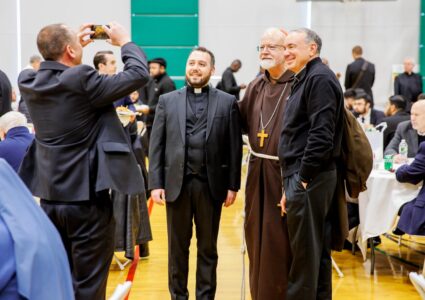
168,29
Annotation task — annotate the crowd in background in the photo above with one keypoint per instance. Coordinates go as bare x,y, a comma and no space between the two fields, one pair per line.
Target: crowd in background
144,98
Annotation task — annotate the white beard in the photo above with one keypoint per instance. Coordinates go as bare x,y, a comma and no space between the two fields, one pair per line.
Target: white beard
267,64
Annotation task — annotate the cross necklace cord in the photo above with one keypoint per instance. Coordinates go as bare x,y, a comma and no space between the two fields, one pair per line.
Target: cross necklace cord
262,134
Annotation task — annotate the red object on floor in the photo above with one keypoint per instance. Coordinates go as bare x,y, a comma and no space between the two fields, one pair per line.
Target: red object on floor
133,267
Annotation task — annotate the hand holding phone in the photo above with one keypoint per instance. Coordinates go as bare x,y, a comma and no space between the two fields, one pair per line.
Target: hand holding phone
118,35
84,34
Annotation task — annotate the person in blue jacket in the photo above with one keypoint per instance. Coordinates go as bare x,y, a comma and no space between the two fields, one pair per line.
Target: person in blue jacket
16,138
412,216
33,261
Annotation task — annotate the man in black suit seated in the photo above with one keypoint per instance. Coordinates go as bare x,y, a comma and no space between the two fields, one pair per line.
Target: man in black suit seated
396,114
80,150
413,132
367,116
195,166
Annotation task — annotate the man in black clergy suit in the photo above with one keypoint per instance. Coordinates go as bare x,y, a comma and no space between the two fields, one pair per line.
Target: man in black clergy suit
360,73
81,150
195,165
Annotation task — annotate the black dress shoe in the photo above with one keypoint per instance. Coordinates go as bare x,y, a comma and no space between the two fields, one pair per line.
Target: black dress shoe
144,250
398,231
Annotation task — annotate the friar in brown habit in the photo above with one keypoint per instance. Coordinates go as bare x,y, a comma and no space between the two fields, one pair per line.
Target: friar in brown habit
265,228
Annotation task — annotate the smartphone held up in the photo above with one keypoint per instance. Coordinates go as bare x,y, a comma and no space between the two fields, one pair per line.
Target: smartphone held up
99,32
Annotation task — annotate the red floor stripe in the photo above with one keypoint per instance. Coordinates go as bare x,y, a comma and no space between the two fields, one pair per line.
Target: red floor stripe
133,267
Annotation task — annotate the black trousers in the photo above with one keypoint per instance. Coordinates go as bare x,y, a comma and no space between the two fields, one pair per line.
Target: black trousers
309,228
194,203
87,232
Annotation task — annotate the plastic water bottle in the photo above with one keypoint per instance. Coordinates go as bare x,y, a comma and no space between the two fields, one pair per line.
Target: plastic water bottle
403,149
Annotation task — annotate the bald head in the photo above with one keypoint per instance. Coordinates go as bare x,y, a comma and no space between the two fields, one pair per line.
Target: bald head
274,33
417,115
52,40
419,105
408,64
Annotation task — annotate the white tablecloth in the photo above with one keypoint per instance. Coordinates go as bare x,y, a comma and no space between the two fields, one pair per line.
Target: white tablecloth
379,204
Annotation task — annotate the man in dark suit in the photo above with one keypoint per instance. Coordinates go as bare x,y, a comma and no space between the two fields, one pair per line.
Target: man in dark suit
228,81
5,94
360,73
408,84
413,132
366,114
195,166
396,114
160,84
81,150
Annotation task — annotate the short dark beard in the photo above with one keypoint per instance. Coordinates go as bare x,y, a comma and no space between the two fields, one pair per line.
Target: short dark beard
198,85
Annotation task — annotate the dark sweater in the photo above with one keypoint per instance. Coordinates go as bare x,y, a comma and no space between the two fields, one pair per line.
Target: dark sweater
229,84
409,86
311,131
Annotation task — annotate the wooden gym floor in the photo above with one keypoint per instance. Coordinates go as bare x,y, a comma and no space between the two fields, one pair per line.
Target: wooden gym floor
390,281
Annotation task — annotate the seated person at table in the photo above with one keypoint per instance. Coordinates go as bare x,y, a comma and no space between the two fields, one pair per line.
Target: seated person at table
362,105
16,138
33,261
413,132
412,216
349,100
395,114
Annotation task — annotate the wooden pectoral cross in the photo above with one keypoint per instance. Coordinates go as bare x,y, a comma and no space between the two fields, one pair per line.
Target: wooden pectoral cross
262,135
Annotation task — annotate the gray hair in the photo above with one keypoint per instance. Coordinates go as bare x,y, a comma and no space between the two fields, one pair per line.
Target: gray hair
11,120
35,58
310,36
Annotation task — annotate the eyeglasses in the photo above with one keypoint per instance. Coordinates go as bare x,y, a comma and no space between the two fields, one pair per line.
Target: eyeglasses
272,48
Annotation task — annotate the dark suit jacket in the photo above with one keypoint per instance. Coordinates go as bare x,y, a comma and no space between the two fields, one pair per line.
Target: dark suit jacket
223,144
392,123
412,218
376,116
228,83
80,146
409,86
152,91
23,109
404,131
5,94
366,81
